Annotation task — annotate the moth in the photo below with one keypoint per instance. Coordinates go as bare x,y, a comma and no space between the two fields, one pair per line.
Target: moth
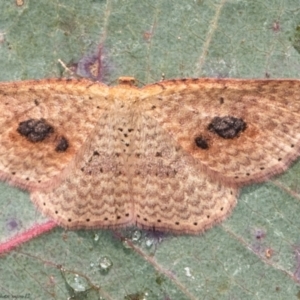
169,156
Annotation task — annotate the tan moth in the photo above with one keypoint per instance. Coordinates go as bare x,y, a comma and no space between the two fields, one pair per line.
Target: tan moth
169,156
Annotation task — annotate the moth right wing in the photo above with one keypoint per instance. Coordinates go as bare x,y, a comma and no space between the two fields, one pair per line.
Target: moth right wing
239,131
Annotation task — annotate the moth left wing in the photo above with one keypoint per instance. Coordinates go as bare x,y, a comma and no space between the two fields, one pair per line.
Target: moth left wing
240,131
43,124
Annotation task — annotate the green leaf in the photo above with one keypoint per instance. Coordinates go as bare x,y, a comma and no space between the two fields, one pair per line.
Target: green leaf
254,254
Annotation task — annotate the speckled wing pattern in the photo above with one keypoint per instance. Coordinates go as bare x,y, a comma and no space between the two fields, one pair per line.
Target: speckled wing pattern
170,156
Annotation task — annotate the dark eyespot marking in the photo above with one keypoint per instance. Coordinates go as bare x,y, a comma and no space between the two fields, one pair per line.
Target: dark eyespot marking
176,223
195,223
36,102
95,153
62,144
35,130
227,127
130,130
87,220
127,215
153,107
201,142
69,220
145,219
158,220
158,154
105,219
118,217
221,99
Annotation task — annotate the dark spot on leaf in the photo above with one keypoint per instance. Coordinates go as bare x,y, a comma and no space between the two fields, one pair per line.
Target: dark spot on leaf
259,234
12,224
